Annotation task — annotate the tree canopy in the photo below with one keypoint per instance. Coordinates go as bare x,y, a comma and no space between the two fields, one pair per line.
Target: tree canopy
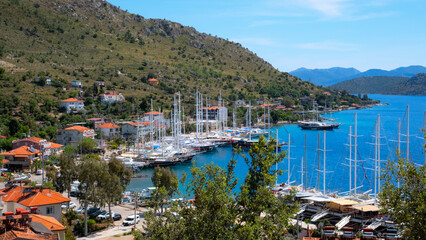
219,212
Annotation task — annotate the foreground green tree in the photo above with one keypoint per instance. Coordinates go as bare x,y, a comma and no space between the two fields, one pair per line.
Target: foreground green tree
166,183
218,212
264,215
91,174
114,183
406,203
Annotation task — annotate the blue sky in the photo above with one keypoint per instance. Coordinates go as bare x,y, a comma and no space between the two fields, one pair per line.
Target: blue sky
290,34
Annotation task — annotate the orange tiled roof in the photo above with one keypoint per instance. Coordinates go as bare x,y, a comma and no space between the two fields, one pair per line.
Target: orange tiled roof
55,145
14,234
78,128
21,152
153,113
34,139
212,107
265,105
108,125
3,137
33,198
142,123
49,222
72,100
152,80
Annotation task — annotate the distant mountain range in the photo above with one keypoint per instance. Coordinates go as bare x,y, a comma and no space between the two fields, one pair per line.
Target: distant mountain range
330,76
415,85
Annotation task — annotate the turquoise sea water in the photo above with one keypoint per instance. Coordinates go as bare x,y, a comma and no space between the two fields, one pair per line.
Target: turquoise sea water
337,171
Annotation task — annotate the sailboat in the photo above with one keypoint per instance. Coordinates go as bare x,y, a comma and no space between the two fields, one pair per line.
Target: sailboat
316,124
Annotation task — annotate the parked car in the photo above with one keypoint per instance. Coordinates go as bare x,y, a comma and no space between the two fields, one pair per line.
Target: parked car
39,171
97,213
79,210
75,194
105,216
116,217
130,220
72,205
91,210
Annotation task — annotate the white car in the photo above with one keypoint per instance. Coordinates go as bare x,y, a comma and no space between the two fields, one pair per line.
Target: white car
105,216
39,171
130,220
72,205
79,210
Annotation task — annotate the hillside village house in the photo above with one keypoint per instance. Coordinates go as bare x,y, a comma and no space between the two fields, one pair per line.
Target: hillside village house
153,81
111,97
129,130
30,225
72,104
156,117
20,158
109,130
47,201
76,84
214,112
73,135
40,144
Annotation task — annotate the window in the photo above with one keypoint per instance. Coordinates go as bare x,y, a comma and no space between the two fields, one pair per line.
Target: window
50,210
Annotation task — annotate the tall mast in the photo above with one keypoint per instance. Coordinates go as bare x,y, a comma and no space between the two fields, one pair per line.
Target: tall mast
306,165
378,153
207,114
375,160
276,164
355,154
249,117
179,123
318,149
196,115
425,136
288,159
323,176
269,121
350,160
151,122
408,132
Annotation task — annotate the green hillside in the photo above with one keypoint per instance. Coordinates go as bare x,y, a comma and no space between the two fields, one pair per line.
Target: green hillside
415,85
94,41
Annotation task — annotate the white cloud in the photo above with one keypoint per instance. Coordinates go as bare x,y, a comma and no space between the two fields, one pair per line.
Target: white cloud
328,45
347,10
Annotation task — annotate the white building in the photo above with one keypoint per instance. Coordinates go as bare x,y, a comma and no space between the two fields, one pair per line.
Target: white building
111,97
131,129
109,130
48,202
76,84
72,104
156,117
215,113
73,135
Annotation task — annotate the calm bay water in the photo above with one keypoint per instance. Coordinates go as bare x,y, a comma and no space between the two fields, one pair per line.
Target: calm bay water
337,141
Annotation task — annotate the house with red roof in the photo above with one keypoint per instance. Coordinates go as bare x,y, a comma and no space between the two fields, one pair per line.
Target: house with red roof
47,201
153,116
71,104
20,158
111,97
109,130
153,81
74,135
214,113
49,148
130,129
